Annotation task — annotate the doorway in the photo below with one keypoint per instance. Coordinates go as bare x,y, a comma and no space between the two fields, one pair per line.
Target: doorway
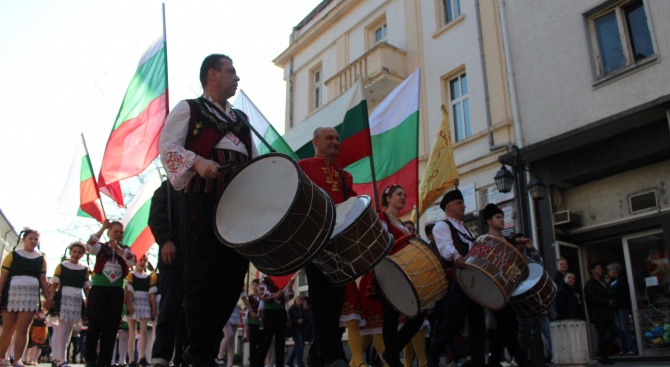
649,277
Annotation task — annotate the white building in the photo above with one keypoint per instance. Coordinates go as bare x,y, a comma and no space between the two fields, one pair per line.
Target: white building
458,46
593,92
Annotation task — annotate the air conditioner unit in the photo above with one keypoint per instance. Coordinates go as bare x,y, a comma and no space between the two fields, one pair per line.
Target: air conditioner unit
567,218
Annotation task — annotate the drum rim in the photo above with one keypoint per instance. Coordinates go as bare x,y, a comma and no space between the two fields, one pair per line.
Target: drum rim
354,222
535,263
389,246
502,291
414,292
274,228
502,239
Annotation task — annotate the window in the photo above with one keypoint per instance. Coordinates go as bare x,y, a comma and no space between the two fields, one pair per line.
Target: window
451,9
621,37
460,106
376,31
380,33
317,88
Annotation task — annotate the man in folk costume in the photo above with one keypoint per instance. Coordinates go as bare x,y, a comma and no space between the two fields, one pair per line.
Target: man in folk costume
453,242
507,325
327,300
200,135
105,299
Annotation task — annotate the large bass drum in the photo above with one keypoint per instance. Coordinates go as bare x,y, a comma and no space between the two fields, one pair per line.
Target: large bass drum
272,214
358,243
412,278
535,294
493,270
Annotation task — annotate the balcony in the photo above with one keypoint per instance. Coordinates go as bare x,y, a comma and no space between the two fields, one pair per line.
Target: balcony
382,68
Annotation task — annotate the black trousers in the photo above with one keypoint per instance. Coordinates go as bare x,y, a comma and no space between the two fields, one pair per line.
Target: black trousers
394,339
213,277
327,302
461,308
274,324
254,335
170,311
104,315
506,335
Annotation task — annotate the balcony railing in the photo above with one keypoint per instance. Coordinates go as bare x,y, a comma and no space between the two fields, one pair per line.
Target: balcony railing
382,64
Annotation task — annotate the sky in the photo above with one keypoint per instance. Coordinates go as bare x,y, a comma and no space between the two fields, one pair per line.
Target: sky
65,66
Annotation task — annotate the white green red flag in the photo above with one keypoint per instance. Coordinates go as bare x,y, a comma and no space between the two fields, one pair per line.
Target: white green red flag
80,195
263,126
348,114
133,142
394,127
136,232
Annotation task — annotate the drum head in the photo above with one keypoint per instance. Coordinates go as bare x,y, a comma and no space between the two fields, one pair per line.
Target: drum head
397,288
481,287
348,212
535,271
256,199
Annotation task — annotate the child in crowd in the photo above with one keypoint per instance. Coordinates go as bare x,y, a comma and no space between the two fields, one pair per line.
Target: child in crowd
141,299
69,279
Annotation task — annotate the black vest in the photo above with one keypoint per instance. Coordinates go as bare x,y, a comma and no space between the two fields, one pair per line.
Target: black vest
461,246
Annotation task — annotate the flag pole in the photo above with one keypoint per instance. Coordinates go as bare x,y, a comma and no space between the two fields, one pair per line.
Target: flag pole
416,174
167,82
95,182
373,174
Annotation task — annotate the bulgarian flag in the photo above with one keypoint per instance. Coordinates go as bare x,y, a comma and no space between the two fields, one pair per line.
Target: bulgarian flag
348,114
80,194
133,143
394,126
263,126
135,221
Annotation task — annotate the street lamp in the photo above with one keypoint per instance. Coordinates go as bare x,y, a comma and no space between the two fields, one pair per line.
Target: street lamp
536,188
504,180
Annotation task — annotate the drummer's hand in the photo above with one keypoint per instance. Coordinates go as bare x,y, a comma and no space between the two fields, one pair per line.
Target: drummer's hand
169,252
206,169
460,262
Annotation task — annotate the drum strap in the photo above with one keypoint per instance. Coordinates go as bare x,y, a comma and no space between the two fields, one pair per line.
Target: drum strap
345,189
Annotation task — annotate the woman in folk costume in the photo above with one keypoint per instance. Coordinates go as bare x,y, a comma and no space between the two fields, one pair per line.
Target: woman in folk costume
23,274
141,291
393,201
352,319
69,279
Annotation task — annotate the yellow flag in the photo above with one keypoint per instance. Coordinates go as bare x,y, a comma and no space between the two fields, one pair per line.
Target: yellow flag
441,172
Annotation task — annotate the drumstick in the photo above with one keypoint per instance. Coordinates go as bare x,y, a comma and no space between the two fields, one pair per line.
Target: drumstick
232,165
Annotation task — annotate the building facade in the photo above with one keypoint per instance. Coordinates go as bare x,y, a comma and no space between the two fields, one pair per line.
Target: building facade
593,93
457,45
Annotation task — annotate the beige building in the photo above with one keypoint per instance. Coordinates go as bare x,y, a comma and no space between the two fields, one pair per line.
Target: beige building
457,45
593,92
9,236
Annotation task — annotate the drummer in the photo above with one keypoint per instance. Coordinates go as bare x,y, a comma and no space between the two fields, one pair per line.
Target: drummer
327,300
200,135
507,326
542,321
453,242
